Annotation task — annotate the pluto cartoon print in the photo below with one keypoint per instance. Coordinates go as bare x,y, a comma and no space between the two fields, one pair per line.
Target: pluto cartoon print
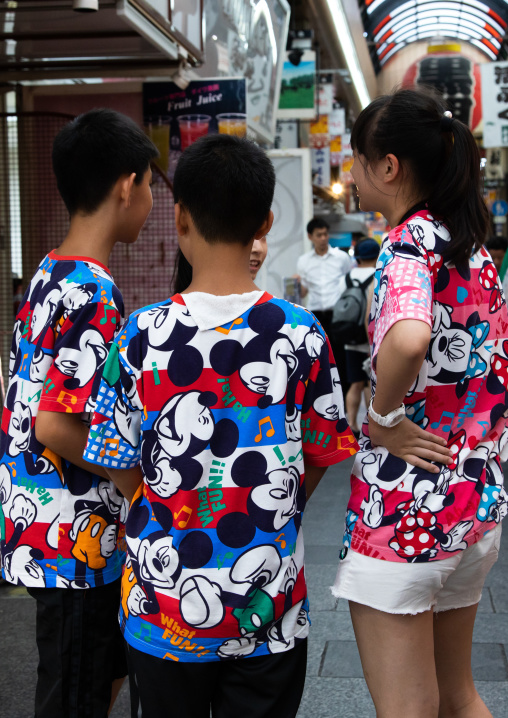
59,523
220,418
399,512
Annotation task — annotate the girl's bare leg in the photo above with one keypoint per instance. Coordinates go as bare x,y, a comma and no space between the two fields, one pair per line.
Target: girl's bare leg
397,653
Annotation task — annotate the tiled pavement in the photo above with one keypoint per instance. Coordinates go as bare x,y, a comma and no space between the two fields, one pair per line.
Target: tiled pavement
335,687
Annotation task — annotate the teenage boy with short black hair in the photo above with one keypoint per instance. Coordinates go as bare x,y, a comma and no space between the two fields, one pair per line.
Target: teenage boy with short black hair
60,514
223,410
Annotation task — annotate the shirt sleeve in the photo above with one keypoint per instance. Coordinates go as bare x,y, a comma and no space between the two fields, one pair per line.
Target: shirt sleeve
79,355
114,436
326,436
403,289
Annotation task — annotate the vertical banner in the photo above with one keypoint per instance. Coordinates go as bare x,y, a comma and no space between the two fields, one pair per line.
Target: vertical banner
495,104
175,118
325,98
319,142
337,122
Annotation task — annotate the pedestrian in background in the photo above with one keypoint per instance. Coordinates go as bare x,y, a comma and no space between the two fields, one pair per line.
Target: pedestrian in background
352,306
319,271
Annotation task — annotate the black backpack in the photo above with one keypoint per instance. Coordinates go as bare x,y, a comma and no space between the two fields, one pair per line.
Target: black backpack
348,321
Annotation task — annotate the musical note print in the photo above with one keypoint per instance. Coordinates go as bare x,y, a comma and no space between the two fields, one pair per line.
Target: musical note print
36,396
345,443
294,320
61,400
107,308
280,539
185,510
270,431
13,463
21,368
295,458
111,452
222,330
485,425
145,632
221,559
444,415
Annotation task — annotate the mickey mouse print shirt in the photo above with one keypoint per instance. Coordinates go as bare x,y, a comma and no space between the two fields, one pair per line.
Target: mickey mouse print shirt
397,511
220,413
58,523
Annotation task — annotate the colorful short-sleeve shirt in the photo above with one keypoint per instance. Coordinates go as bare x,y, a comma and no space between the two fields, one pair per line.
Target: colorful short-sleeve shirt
221,420
59,523
397,511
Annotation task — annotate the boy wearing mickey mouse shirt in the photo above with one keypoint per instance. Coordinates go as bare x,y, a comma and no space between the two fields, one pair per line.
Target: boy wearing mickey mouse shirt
60,516
218,413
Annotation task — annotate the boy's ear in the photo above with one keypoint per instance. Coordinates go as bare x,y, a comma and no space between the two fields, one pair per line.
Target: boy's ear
126,183
181,220
265,227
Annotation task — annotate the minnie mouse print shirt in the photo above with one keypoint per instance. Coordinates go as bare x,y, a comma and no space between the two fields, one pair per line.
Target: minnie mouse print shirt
221,414
397,511
58,523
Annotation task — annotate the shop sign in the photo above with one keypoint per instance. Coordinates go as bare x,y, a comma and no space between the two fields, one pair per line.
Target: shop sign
495,104
335,151
337,122
325,99
175,118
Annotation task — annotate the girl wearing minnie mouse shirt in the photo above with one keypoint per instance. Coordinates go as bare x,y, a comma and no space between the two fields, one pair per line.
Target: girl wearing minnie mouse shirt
423,524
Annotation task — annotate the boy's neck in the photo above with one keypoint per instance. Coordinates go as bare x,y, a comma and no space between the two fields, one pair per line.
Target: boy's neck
221,269
88,236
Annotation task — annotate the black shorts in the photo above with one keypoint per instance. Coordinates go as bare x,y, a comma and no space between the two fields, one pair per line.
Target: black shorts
81,650
354,366
259,687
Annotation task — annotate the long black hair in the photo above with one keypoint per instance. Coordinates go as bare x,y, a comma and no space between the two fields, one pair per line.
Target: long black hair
441,156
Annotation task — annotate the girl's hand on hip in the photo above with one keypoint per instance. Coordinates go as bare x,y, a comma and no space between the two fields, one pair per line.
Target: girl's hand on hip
411,443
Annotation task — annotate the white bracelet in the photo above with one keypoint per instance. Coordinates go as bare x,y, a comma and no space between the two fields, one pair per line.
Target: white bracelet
389,420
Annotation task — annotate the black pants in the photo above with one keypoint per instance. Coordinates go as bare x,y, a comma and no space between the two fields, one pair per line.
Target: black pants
259,687
325,317
81,650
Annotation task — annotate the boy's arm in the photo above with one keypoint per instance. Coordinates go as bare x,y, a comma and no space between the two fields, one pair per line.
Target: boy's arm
65,435
313,475
127,481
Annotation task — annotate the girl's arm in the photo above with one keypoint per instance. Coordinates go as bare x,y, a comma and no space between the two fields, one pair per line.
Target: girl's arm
399,359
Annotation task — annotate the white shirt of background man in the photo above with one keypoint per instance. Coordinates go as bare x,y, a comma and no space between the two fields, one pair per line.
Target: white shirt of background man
320,275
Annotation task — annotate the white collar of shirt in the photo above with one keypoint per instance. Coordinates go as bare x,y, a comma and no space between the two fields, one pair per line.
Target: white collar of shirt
210,311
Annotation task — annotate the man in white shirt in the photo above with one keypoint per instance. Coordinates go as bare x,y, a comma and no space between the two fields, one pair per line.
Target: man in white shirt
320,269
319,272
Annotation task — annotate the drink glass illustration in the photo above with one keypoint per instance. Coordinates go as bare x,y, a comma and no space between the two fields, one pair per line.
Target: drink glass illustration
232,123
159,134
192,127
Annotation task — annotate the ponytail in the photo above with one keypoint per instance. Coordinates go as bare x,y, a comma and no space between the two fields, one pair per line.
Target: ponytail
441,156
456,197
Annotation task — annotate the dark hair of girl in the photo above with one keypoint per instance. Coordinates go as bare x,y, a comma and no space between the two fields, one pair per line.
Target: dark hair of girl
441,156
182,273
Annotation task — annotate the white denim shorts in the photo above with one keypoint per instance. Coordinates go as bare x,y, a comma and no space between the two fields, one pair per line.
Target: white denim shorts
409,588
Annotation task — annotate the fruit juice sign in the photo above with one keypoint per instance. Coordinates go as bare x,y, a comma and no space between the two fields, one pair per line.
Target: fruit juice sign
174,118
